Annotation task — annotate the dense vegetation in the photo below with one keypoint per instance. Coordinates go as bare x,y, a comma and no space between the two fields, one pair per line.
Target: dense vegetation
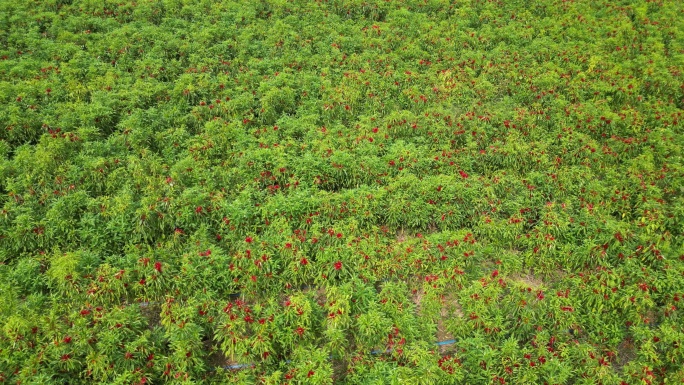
315,192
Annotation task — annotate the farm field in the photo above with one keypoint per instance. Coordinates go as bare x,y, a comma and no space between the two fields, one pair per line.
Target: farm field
341,192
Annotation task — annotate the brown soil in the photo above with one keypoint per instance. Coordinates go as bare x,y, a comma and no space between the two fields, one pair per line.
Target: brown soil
151,311
339,370
528,280
417,298
626,352
450,308
216,357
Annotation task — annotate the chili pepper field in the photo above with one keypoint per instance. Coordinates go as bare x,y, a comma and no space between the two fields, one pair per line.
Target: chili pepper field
341,192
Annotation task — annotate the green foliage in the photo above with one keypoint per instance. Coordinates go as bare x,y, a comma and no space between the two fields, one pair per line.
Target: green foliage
316,192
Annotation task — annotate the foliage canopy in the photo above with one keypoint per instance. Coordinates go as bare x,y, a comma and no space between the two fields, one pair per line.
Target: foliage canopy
292,191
